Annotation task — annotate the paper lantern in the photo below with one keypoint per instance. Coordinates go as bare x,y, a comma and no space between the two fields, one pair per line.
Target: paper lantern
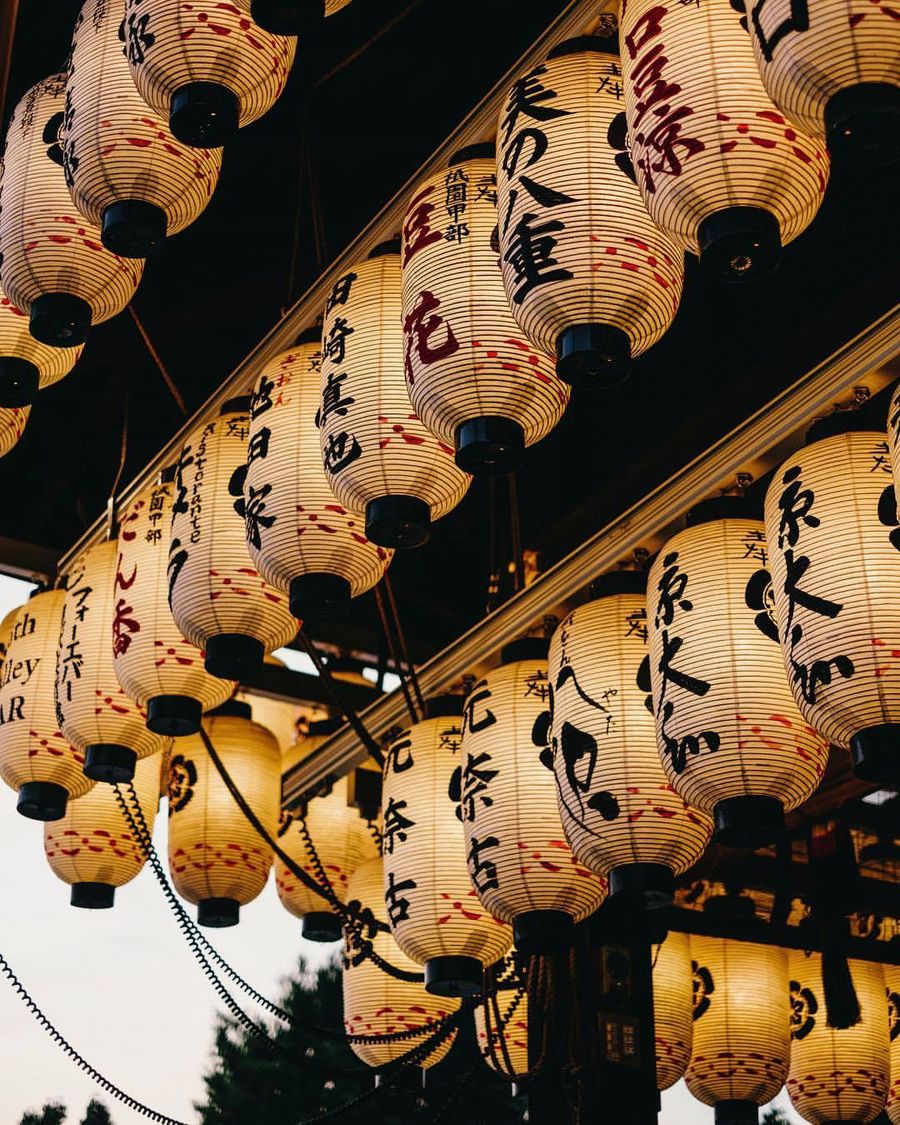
290,17
728,731
506,1052
218,600
519,861
433,910
720,169
339,836
12,425
217,859
35,759
589,276
475,381
620,814
376,1003
837,1075
832,526
27,365
204,66
309,545
741,1034
892,979
93,847
54,265
126,171
672,1008
832,68
379,459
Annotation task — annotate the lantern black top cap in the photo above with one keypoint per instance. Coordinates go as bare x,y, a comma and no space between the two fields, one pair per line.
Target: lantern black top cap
604,45
324,727
444,706
618,582
483,150
311,335
725,508
234,708
525,648
238,405
391,246
841,422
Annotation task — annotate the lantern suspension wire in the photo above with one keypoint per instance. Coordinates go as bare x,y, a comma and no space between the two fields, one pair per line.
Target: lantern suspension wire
386,628
363,47
515,534
299,209
161,367
401,637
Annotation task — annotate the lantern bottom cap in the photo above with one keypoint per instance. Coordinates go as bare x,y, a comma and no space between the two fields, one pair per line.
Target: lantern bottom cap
454,976
319,597
642,886
875,753
42,800
93,896
749,822
61,320
402,522
204,114
233,656
217,913
862,124
287,17
20,381
543,931
593,355
133,228
737,1112
739,243
174,716
489,445
322,926
108,762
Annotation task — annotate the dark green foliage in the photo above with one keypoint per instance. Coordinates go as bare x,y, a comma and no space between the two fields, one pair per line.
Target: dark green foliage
53,1113
96,1114
773,1116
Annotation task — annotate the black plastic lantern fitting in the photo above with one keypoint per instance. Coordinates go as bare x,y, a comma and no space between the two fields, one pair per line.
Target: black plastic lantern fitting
642,886
749,822
42,800
133,228
204,114
875,753
93,896
735,1112
233,656
595,355
543,932
105,761
321,926
401,522
489,446
218,913
739,244
173,716
287,17
319,597
454,976
19,381
61,320
862,124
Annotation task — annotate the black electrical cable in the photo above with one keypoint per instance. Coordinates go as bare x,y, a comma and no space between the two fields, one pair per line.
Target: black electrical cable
401,637
388,632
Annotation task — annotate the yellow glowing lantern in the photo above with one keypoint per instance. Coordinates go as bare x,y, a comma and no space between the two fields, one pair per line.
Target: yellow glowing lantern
506,1051
27,365
728,731
475,381
588,274
719,167
290,17
379,458
218,600
837,1075
54,265
205,66
673,1019
892,979
217,859
12,425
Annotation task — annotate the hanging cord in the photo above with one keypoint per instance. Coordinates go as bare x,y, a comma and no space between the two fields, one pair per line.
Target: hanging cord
354,55
515,534
299,208
401,637
161,367
493,588
395,656
78,1059
495,1024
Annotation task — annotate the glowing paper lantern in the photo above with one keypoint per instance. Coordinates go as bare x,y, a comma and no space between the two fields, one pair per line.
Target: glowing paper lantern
673,1017
620,814
217,859
838,607
12,426
35,759
473,379
379,458
27,365
290,17
832,68
376,1003
728,731
54,265
720,169
588,274
158,668
309,546
506,1052
93,848
892,978
519,861
206,67
126,171
218,600
741,1035
837,1075
433,910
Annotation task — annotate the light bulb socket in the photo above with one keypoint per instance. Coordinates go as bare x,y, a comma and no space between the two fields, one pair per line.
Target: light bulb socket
444,706
737,1112
579,44
61,320
862,124
401,522
204,114
875,753
482,150
42,800
133,228
319,597
109,762
739,244
489,446
724,508
386,248
840,422
168,474
240,404
593,355
93,896
749,822
20,381
234,656
311,335
525,648
232,709
618,582
324,728
174,716
454,976
288,17
543,932
321,926
218,913
642,886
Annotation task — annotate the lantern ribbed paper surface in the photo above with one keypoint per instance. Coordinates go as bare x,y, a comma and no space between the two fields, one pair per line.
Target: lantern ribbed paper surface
93,848
719,167
299,537
741,1037
12,425
589,276
219,601
54,265
673,1021
512,1010
728,731
837,1075
892,979
126,171
27,365
95,714
378,457
619,812
519,861
472,376
832,526
376,1003
432,907
34,757
204,66
216,857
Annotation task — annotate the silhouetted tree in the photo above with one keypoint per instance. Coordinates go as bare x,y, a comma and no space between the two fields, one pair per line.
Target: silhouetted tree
53,1113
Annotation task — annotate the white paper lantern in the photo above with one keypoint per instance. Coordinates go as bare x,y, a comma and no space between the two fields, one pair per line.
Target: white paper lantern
673,1019
506,1051
720,169
892,979
290,17
27,365
12,425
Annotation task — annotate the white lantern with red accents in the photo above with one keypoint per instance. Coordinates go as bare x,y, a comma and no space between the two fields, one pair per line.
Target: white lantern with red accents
27,365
